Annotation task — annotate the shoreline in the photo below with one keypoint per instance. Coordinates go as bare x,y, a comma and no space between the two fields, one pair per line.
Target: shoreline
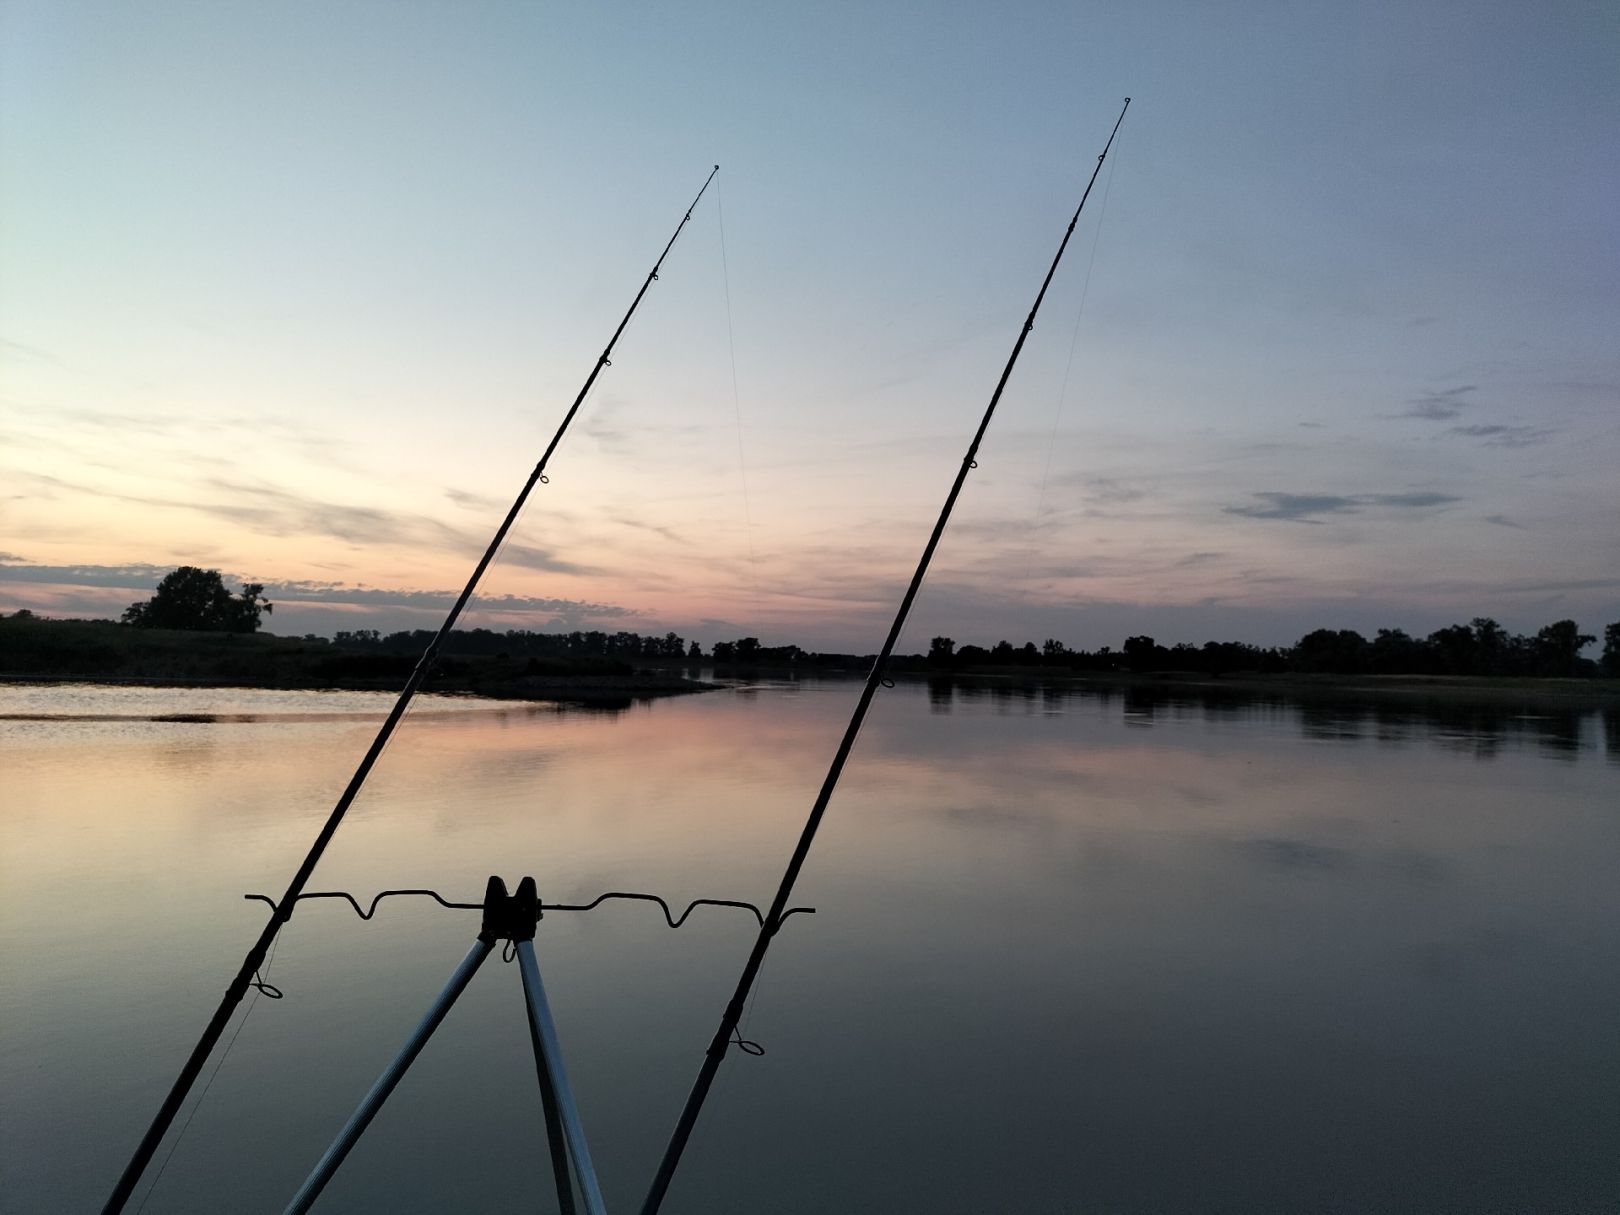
528,688
1596,693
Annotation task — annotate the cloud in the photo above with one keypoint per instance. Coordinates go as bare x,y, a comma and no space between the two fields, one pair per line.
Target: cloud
1107,490
527,556
1297,507
1303,508
383,597
14,568
138,578
1408,500
1503,521
1506,436
473,501
667,533
277,512
1439,406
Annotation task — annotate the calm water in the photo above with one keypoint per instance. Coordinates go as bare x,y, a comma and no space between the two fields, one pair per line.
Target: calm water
1071,953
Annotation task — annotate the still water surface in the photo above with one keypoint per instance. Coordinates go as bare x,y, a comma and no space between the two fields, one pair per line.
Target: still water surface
1071,952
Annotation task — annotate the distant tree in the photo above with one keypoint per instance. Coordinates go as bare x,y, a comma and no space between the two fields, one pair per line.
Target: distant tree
940,651
196,599
1558,648
973,655
694,653
724,652
1337,652
1395,652
1609,664
1491,643
1140,652
1455,649
1053,649
747,649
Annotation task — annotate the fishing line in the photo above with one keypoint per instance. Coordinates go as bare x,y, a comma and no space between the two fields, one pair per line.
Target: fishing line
1063,389
260,986
736,400
723,1037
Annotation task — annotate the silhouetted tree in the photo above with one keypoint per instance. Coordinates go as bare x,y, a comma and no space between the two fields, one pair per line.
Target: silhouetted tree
1491,645
940,650
694,653
1336,652
196,599
1140,652
1609,664
1558,648
1455,649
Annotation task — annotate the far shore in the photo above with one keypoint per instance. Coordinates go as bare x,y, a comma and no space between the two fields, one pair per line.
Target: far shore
34,650
538,688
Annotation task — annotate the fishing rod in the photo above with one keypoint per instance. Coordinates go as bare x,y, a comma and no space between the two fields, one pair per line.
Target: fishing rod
723,1036
283,908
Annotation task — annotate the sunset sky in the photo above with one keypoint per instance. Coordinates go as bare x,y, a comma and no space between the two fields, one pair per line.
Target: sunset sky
299,292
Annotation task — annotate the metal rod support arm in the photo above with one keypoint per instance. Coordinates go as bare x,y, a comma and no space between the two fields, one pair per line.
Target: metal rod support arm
544,1032
392,1074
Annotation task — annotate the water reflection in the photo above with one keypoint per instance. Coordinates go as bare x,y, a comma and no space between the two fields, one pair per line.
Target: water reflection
1254,953
1475,724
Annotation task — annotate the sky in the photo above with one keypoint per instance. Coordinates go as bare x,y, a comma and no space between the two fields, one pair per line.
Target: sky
300,292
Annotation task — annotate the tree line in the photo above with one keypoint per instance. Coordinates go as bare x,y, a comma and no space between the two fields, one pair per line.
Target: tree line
193,598
1482,647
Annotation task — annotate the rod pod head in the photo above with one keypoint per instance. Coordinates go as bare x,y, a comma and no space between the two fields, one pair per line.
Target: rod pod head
510,917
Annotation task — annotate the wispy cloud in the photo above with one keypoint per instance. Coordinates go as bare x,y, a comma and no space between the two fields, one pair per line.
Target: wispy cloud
14,568
1305,508
140,577
1439,406
380,597
1506,436
527,556
1504,521
271,511
469,501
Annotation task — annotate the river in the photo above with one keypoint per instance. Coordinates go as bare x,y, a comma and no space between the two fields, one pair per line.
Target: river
1071,951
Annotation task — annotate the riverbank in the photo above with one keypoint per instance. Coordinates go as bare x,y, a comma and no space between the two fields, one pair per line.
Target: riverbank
88,651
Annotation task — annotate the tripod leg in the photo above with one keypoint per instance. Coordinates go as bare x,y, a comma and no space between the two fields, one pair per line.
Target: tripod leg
544,1032
372,1102
554,1128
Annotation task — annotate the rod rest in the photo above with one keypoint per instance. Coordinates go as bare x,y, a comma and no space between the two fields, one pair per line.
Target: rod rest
510,917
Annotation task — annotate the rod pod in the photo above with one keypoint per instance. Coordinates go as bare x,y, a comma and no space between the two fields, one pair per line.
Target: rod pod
510,918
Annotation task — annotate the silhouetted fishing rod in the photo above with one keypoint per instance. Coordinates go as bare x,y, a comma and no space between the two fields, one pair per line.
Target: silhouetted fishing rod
773,918
284,906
